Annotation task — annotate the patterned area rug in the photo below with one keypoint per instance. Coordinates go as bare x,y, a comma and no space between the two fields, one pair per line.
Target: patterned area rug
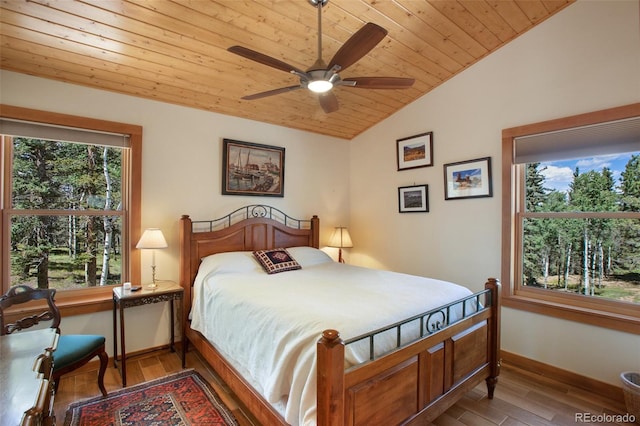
184,398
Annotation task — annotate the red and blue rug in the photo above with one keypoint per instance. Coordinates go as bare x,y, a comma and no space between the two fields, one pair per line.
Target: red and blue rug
183,398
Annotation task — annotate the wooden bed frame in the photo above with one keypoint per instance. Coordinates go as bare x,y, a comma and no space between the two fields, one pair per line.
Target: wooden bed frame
412,385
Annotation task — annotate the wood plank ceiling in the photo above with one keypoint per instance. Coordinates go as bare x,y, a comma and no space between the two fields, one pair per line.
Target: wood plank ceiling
175,51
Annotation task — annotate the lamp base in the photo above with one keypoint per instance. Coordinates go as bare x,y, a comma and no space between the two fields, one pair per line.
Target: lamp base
153,284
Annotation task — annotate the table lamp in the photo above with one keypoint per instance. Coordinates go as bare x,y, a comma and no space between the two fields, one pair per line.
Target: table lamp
340,239
152,239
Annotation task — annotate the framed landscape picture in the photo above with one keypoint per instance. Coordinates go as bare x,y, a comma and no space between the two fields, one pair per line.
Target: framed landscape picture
413,199
415,151
468,179
252,169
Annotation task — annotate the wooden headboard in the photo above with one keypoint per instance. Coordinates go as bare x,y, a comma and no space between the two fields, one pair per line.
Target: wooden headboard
254,227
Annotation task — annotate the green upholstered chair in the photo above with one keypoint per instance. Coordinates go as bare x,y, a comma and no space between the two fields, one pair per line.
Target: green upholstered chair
73,351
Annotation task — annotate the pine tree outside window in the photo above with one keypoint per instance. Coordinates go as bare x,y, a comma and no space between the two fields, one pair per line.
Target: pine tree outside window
571,228
68,214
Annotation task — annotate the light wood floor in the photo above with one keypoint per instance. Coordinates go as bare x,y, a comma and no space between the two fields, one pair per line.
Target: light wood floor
521,398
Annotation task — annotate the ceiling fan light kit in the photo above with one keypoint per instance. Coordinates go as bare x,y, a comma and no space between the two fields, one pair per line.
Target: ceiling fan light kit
322,78
320,86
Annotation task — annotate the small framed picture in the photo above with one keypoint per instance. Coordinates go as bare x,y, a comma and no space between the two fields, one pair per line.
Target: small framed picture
468,179
252,169
415,151
413,199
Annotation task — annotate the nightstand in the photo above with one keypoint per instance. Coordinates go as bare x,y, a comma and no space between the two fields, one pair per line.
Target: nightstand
166,291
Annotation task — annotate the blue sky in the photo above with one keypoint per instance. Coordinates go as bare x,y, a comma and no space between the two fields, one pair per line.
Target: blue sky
559,174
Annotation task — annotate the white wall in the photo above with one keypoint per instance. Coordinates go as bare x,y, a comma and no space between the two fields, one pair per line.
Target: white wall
182,163
585,58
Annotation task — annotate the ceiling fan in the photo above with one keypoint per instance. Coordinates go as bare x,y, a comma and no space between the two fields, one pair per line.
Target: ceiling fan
320,77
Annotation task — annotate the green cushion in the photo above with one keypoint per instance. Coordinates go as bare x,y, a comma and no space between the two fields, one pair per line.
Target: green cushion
73,347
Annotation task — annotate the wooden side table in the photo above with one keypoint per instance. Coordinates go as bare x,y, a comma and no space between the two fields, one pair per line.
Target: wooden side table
166,291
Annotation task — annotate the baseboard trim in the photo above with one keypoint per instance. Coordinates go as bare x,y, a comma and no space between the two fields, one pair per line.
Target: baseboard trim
603,389
95,363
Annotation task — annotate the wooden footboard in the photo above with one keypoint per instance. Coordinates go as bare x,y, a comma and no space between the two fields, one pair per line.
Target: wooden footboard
414,384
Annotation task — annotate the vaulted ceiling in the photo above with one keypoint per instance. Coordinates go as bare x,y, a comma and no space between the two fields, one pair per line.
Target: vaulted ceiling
176,51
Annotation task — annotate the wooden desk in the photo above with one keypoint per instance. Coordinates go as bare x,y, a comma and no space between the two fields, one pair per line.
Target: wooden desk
166,291
26,374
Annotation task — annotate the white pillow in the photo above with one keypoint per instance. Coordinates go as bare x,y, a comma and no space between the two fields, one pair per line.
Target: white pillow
233,261
308,256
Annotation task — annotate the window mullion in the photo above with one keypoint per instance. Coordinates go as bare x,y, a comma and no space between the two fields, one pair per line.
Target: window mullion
52,212
580,215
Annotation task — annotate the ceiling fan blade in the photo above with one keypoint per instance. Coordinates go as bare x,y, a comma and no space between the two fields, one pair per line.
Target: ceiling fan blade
263,59
271,92
328,102
379,82
358,45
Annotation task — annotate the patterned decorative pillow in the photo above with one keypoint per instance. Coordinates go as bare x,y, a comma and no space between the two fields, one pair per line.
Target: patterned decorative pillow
276,260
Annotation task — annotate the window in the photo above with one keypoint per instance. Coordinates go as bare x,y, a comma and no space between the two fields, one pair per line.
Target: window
70,204
571,218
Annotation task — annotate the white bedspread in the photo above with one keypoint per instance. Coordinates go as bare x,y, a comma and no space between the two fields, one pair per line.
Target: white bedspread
267,326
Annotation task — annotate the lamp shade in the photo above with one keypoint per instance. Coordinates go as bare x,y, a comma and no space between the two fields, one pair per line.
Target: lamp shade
152,238
340,238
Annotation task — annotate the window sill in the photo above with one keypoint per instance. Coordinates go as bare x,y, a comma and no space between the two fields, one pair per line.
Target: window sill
85,301
70,303
628,322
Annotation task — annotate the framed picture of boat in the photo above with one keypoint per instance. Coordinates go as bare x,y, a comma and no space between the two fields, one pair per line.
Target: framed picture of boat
252,169
415,151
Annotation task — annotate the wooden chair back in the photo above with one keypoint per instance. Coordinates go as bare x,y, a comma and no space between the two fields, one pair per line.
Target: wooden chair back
21,294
